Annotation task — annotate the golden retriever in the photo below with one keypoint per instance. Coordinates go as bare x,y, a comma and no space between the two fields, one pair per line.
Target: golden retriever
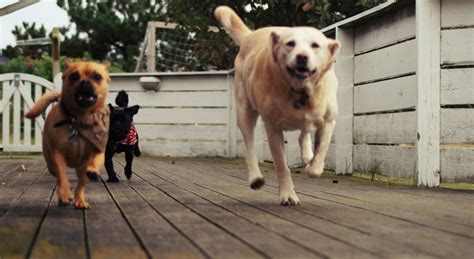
285,75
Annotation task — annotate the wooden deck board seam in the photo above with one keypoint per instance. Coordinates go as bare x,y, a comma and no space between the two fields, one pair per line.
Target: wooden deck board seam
127,221
361,208
223,208
257,250
200,249
38,228
245,184
22,193
200,171
294,222
86,237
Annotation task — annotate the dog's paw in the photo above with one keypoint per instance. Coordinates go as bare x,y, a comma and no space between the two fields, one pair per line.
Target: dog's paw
257,183
314,170
113,180
63,203
64,196
81,204
93,176
128,173
288,197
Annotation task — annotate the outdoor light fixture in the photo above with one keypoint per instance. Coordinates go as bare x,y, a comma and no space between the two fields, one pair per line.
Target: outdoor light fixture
150,83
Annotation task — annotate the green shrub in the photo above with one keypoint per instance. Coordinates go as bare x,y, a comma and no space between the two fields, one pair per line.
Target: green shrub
41,67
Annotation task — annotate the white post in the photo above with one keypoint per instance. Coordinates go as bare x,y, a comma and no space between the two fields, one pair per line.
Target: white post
56,51
345,98
232,118
428,23
151,50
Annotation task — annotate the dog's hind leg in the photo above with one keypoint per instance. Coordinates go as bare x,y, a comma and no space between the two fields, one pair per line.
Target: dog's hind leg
305,145
287,189
128,160
80,201
322,141
246,120
57,167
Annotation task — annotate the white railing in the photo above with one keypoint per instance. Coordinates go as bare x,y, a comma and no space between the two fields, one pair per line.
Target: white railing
19,92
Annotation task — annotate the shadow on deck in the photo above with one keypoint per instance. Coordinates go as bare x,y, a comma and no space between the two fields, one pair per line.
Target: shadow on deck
203,207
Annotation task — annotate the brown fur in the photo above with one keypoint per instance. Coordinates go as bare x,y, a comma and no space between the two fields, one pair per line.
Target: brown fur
79,153
269,81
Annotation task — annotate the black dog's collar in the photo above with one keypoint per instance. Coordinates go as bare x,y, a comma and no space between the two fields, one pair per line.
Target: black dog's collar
303,101
70,119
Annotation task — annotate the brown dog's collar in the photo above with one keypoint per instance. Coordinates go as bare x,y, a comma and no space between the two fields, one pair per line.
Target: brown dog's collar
303,101
93,128
70,119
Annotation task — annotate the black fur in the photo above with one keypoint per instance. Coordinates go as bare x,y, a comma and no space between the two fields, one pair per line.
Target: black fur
121,119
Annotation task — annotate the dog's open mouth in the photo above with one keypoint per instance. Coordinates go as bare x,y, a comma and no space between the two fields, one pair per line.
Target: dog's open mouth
300,73
85,97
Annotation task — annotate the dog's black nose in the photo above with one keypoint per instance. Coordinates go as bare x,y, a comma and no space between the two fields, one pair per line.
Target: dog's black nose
86,86
301,60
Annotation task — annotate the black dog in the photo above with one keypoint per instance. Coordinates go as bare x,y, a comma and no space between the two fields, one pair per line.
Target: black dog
123,136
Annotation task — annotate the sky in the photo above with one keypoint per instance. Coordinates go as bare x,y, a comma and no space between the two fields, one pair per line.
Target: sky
45,12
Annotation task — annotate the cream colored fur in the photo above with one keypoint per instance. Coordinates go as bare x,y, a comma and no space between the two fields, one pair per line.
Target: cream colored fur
264,76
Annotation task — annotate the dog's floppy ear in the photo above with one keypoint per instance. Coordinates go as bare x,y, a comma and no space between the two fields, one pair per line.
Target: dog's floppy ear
132,110
334,47
274,40
111,107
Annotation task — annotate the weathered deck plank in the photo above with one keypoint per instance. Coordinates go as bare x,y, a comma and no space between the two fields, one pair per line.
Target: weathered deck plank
203,208
452,208
20,224
62,232
353,212
160,237
358,239
108,233
216,242
15,181
267,243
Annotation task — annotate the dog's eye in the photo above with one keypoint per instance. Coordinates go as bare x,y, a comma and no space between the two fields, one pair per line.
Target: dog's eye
291,43
97,77
314,45
74,76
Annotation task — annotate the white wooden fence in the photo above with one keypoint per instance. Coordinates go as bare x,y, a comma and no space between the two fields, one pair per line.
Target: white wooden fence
407,90
19,91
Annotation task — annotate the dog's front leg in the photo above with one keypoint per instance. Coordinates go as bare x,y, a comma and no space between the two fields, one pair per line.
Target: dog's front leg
287,189
83,179
58,169
93,168
322,140
246,120
109,165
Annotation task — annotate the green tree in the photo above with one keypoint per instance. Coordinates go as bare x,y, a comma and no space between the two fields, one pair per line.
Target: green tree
216,50
27,31
110,29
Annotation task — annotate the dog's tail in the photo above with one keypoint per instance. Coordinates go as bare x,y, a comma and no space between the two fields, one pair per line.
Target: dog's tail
42,104
236,28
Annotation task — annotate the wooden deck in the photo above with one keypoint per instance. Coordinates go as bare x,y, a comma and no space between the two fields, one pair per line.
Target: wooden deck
203,208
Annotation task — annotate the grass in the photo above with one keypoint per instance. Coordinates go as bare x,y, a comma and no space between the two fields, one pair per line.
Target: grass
401,181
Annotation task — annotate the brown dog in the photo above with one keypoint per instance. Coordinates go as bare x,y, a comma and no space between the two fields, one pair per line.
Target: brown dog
286,76
76,129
